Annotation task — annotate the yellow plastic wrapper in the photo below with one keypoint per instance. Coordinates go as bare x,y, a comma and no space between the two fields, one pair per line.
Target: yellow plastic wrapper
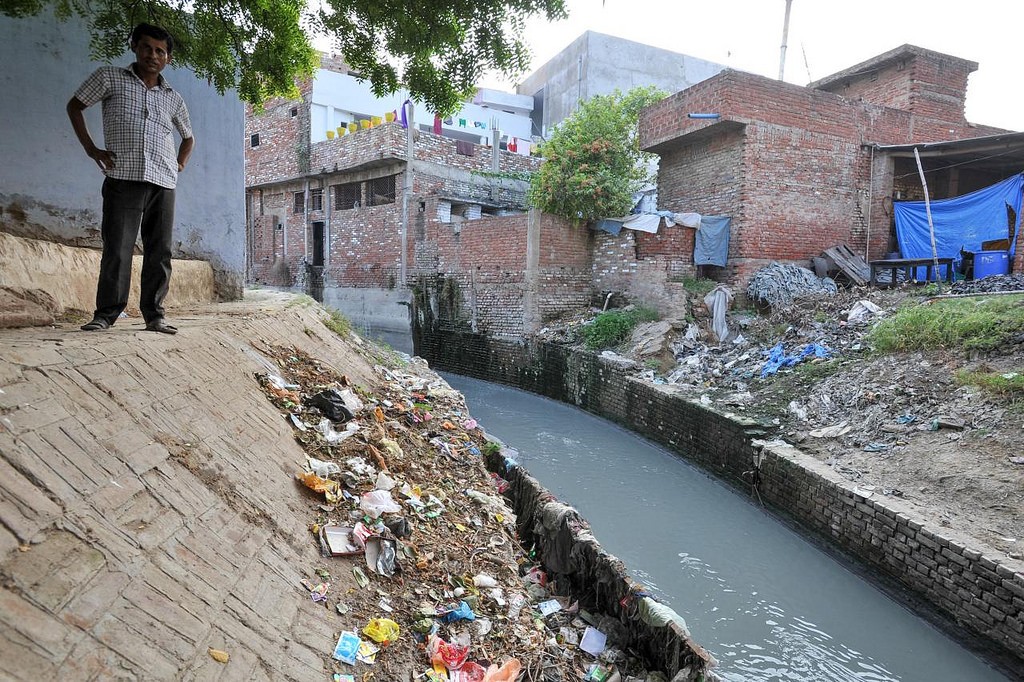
382,630
321,485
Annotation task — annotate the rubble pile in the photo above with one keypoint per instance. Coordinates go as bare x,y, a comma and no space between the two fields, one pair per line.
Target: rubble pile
421,560
988,285
779,285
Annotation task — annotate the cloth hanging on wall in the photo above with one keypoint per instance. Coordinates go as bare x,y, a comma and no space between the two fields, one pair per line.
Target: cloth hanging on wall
711,243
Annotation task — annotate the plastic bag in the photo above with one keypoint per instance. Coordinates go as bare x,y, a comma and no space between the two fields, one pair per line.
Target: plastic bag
382,630
321,468
469,672
484,580
332,404
377,502
451,656
508,672
334,437
460,612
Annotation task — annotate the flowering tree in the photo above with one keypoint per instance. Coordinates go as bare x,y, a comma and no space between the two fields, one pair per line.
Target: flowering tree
592,163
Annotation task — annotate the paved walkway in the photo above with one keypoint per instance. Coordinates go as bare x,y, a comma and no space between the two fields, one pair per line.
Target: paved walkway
147,507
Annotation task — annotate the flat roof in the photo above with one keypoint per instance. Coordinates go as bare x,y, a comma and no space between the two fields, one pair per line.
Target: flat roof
1001,152
905,51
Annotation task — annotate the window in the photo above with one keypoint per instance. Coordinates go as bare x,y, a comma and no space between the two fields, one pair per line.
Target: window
347,196
254,140
316,199
300,202
295,111
380,191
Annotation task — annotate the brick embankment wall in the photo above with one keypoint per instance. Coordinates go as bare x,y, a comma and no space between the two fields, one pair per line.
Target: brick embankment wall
573,556
978,598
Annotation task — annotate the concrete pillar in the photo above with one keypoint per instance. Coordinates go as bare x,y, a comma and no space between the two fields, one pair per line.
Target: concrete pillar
531,279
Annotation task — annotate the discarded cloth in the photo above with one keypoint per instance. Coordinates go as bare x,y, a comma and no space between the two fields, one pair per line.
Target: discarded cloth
717,300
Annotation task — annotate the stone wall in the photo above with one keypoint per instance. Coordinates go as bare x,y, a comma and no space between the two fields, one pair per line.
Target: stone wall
979,598
573,557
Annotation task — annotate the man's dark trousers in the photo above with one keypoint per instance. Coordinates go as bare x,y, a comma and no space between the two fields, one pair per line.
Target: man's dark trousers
127,207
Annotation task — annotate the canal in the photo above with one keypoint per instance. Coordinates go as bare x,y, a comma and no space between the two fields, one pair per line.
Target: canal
766,602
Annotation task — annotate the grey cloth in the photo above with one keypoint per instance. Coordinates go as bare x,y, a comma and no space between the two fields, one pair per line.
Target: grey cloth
711,244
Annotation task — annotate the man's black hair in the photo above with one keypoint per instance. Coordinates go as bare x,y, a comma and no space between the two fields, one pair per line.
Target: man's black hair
154,32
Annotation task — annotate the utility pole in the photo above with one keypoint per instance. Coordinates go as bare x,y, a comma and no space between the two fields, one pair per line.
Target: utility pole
785,36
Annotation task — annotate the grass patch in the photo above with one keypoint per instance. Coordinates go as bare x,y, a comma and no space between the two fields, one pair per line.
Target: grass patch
302,301
338,323
971,324
698,286
1008,386
614,326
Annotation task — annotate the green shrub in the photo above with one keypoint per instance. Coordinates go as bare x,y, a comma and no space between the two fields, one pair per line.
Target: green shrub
614,326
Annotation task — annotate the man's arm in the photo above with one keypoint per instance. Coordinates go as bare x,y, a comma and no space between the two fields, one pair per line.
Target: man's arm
185,151
103,158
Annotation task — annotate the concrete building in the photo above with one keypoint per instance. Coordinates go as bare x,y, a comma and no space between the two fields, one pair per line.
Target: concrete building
801,169
50,190
598,64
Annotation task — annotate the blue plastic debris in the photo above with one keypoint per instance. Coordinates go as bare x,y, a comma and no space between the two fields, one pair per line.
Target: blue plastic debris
461,612
778,359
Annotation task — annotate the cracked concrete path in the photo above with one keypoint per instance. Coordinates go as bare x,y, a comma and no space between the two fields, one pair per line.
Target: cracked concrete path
147,506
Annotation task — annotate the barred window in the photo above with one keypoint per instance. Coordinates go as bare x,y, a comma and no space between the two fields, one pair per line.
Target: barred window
300,202
381,191
347,196
316,199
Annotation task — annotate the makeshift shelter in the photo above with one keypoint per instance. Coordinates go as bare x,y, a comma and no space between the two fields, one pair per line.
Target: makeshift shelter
963,223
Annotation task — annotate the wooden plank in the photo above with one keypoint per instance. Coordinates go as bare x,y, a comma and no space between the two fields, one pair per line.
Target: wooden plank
851,265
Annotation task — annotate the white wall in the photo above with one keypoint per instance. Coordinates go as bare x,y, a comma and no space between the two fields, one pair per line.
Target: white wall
49,188
337,97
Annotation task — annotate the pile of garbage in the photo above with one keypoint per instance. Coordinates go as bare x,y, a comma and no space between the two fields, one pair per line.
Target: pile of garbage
420,555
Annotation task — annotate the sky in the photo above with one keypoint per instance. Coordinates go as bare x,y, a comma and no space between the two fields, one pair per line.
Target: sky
825,36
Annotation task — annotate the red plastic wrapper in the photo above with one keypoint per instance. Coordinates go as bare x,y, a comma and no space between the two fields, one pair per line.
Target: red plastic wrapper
451,656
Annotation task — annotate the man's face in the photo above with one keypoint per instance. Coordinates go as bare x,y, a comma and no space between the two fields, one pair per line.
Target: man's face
151,55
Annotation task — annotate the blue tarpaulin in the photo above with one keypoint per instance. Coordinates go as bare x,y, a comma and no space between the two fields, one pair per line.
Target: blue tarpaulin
961,222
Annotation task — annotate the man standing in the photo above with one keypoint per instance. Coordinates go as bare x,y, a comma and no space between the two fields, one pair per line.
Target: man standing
140,110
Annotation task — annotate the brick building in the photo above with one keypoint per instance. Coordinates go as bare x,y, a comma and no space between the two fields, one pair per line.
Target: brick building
330,212
350,216
801,169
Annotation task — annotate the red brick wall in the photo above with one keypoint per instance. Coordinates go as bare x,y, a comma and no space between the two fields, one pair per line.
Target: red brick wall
278,154
791,165
486,261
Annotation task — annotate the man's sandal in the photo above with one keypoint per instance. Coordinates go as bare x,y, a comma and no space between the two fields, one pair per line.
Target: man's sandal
97,324
159,325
